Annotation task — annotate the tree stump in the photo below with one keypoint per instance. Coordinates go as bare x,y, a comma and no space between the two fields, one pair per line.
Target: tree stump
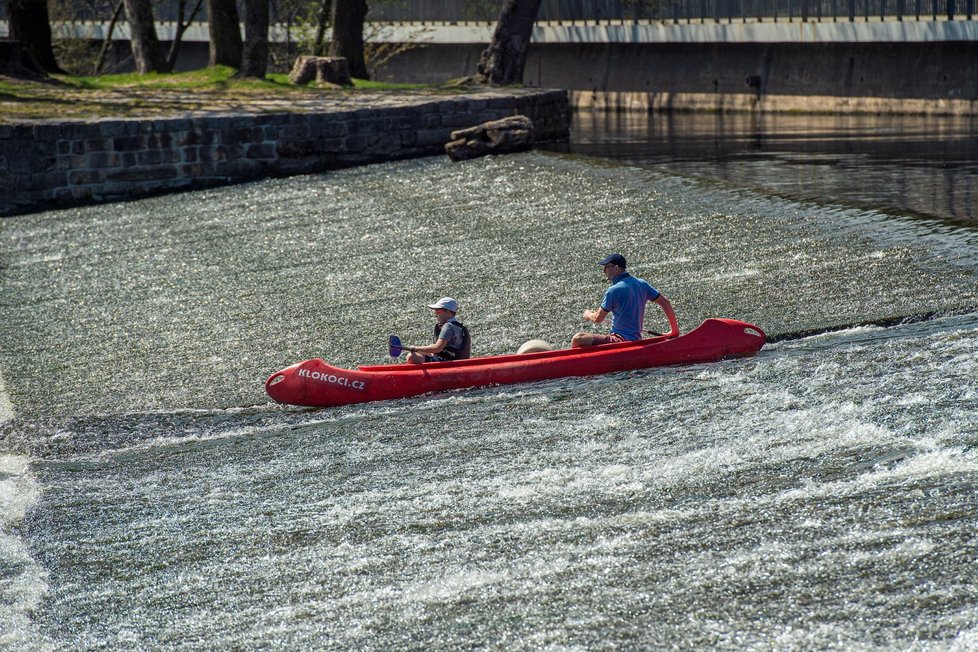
325,70
512,134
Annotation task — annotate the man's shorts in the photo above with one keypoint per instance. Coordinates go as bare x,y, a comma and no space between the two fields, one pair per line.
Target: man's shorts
610,338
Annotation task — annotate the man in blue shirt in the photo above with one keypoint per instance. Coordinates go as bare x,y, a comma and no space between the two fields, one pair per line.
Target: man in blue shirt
625,299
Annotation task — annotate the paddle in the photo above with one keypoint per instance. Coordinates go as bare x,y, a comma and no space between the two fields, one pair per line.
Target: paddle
395,348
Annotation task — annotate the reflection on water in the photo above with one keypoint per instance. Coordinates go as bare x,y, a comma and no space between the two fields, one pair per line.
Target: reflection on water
905,164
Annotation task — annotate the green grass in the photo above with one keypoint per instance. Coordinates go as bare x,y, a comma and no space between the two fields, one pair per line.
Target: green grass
68,96
218,78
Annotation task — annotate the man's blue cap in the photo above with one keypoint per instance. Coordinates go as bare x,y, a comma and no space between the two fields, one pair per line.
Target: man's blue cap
614,259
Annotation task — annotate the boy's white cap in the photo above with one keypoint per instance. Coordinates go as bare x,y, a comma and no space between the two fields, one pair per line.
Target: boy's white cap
447,303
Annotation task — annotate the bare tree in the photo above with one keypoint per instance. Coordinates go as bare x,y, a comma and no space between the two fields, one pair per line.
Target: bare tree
30,24
145,45
348,17
225,33
323,15
503,61
103,51
254,59
182,24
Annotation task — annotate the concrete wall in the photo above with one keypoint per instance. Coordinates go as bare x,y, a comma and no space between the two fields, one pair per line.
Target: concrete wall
56,164
937,77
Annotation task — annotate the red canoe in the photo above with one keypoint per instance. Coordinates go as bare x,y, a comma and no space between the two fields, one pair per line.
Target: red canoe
316,384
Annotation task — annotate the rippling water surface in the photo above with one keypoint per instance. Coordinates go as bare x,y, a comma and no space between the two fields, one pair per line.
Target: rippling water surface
818,495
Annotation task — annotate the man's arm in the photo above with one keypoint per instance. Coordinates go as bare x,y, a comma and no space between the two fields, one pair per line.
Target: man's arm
670,315
595,316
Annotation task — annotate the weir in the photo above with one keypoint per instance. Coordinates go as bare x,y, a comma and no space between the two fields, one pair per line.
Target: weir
819,494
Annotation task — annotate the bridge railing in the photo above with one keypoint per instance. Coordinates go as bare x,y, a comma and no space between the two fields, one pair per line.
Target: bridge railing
681,10
820,10
598,11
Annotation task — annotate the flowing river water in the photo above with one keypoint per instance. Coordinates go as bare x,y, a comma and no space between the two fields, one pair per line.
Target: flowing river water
818,495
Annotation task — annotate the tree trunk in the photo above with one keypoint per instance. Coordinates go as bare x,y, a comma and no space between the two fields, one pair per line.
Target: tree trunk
322,20
254,59
225,33
107,43
182,25
29,23
503,61
145,45
348,17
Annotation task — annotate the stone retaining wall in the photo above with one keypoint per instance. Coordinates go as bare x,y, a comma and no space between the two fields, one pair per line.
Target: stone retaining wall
58,164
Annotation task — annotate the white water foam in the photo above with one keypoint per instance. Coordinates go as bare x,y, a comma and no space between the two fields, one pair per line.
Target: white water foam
25,581
6,406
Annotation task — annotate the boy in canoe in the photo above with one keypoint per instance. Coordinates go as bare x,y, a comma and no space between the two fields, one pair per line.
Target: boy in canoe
625,299
451,337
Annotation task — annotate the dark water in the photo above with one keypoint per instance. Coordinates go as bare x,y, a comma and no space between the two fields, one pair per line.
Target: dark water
906,165
817,496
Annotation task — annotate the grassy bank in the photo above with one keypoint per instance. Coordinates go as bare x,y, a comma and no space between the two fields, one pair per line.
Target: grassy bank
198,91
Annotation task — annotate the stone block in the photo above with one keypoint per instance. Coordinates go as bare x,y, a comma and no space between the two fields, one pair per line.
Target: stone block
149,157
45,148
112,128
104,160
185,138
228,152
98,145
55,179
127,143
61,194
432,137
294,132
355,143
80,192
47,132
242,135
178,125
73,162
326,127
80,130
263,151
292,149
243,169
271,119
192,169
84,177
241,122
145,176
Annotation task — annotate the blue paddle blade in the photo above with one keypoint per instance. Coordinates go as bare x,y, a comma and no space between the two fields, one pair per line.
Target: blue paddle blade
395,347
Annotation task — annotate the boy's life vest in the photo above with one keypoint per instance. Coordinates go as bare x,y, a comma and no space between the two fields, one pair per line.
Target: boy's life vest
460,353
